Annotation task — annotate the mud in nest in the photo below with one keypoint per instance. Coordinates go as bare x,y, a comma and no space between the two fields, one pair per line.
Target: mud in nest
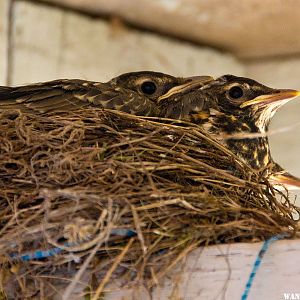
112,195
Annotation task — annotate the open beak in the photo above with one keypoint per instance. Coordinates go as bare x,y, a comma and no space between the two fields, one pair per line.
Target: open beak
189,84
278,95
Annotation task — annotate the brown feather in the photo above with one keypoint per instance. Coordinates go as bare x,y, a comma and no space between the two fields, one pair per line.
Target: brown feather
71,95
53,95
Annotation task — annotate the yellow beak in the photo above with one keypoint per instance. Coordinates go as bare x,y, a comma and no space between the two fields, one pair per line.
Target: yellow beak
286,179
278,95
191,83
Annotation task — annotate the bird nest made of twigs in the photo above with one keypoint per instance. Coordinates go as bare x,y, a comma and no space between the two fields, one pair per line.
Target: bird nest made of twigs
119,196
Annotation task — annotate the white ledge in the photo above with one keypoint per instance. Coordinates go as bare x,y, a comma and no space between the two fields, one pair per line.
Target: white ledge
221,272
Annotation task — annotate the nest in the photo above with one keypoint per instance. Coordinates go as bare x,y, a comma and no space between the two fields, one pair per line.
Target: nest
113,195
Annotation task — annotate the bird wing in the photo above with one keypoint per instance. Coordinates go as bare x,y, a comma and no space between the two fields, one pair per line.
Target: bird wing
65,95
190,106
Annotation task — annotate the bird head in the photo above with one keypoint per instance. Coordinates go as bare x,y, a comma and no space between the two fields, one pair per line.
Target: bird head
241,106
146,84
246,100
163,92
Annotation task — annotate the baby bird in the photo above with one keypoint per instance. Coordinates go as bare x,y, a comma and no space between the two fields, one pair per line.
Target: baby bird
237,110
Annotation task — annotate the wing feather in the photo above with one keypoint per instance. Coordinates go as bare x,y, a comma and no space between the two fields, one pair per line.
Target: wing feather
56,95
65,95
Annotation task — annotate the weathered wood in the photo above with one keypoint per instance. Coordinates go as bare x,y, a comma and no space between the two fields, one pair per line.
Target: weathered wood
221,272
249,28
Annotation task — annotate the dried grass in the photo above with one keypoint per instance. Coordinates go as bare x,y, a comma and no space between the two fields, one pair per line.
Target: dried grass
118,196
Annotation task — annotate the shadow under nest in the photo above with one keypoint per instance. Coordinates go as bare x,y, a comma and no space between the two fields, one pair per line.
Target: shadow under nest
119,196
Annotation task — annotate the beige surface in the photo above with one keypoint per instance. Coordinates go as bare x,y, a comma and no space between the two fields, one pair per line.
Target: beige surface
285,126
221,273
65,44
249,28
36,43
4,16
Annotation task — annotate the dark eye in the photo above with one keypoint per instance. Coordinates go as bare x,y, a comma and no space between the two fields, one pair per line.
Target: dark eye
148,87
236,92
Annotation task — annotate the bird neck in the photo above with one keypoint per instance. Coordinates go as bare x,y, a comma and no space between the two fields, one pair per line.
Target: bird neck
244,138
253,151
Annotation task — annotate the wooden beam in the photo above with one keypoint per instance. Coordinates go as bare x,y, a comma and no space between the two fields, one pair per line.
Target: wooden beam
251,28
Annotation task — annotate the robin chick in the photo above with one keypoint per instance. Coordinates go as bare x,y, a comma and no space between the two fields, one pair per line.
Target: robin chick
236,109
137,93
240,112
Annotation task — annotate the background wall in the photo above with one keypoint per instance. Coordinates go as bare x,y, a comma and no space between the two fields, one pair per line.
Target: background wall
39,41
49,42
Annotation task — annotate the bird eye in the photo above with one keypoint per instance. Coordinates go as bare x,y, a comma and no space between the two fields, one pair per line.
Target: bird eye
148,87
236,92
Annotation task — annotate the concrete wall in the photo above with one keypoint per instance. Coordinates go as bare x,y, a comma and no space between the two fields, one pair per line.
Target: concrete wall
51,43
